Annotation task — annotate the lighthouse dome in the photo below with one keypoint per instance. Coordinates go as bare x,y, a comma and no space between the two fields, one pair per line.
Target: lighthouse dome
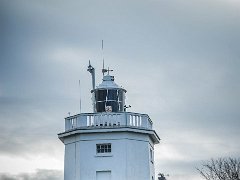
108,83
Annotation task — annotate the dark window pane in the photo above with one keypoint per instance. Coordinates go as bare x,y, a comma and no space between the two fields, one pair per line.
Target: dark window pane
101,95
100,106
112,95
120,95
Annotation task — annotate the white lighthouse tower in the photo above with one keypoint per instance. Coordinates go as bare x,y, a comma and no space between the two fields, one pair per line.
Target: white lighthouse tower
110,143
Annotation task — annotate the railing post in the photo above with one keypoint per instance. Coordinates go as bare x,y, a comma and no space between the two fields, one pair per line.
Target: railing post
127,119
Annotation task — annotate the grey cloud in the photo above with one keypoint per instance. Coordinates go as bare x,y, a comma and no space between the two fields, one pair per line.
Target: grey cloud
40,174
28,128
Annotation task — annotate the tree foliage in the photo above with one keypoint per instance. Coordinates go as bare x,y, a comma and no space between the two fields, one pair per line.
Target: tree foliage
161,176
221,169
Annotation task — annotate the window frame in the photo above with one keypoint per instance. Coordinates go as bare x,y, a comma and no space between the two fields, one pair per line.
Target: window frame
103,148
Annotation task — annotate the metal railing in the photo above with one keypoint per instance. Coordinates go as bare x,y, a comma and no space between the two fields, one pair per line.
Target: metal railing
101,120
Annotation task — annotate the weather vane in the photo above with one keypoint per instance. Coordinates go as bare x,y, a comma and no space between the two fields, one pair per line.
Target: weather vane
105,70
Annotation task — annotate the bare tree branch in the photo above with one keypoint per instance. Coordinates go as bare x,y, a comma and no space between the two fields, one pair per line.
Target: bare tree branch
221,169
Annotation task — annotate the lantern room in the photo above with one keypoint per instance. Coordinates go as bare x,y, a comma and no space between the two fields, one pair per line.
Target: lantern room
108,96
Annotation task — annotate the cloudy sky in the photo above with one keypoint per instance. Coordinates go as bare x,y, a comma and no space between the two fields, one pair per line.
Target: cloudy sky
178,59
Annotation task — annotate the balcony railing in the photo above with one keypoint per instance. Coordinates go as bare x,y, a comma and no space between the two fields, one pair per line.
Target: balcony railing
101,120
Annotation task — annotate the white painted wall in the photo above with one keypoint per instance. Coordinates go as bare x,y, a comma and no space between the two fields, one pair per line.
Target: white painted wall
69,159
129,160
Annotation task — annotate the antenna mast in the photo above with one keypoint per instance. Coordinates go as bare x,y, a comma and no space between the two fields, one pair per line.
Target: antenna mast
92,71
103,69
80,99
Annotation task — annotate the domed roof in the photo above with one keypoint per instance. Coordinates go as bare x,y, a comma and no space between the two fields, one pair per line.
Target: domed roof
108,83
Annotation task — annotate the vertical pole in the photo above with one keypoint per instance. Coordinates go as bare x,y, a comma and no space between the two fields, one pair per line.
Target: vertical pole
80,99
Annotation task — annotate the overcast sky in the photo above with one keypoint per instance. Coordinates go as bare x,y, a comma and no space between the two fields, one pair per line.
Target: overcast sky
179,61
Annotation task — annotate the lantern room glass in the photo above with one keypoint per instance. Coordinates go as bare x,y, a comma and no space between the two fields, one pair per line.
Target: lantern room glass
109,97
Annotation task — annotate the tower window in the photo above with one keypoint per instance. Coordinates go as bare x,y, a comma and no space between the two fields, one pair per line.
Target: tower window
104,148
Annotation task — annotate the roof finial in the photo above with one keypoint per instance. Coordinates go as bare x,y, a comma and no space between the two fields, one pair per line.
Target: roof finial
108,70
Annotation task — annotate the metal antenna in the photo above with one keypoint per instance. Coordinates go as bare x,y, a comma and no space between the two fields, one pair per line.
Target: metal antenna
80,99
103,69
92,71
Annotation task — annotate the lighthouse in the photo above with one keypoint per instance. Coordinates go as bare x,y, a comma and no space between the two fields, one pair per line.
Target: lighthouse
109,143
